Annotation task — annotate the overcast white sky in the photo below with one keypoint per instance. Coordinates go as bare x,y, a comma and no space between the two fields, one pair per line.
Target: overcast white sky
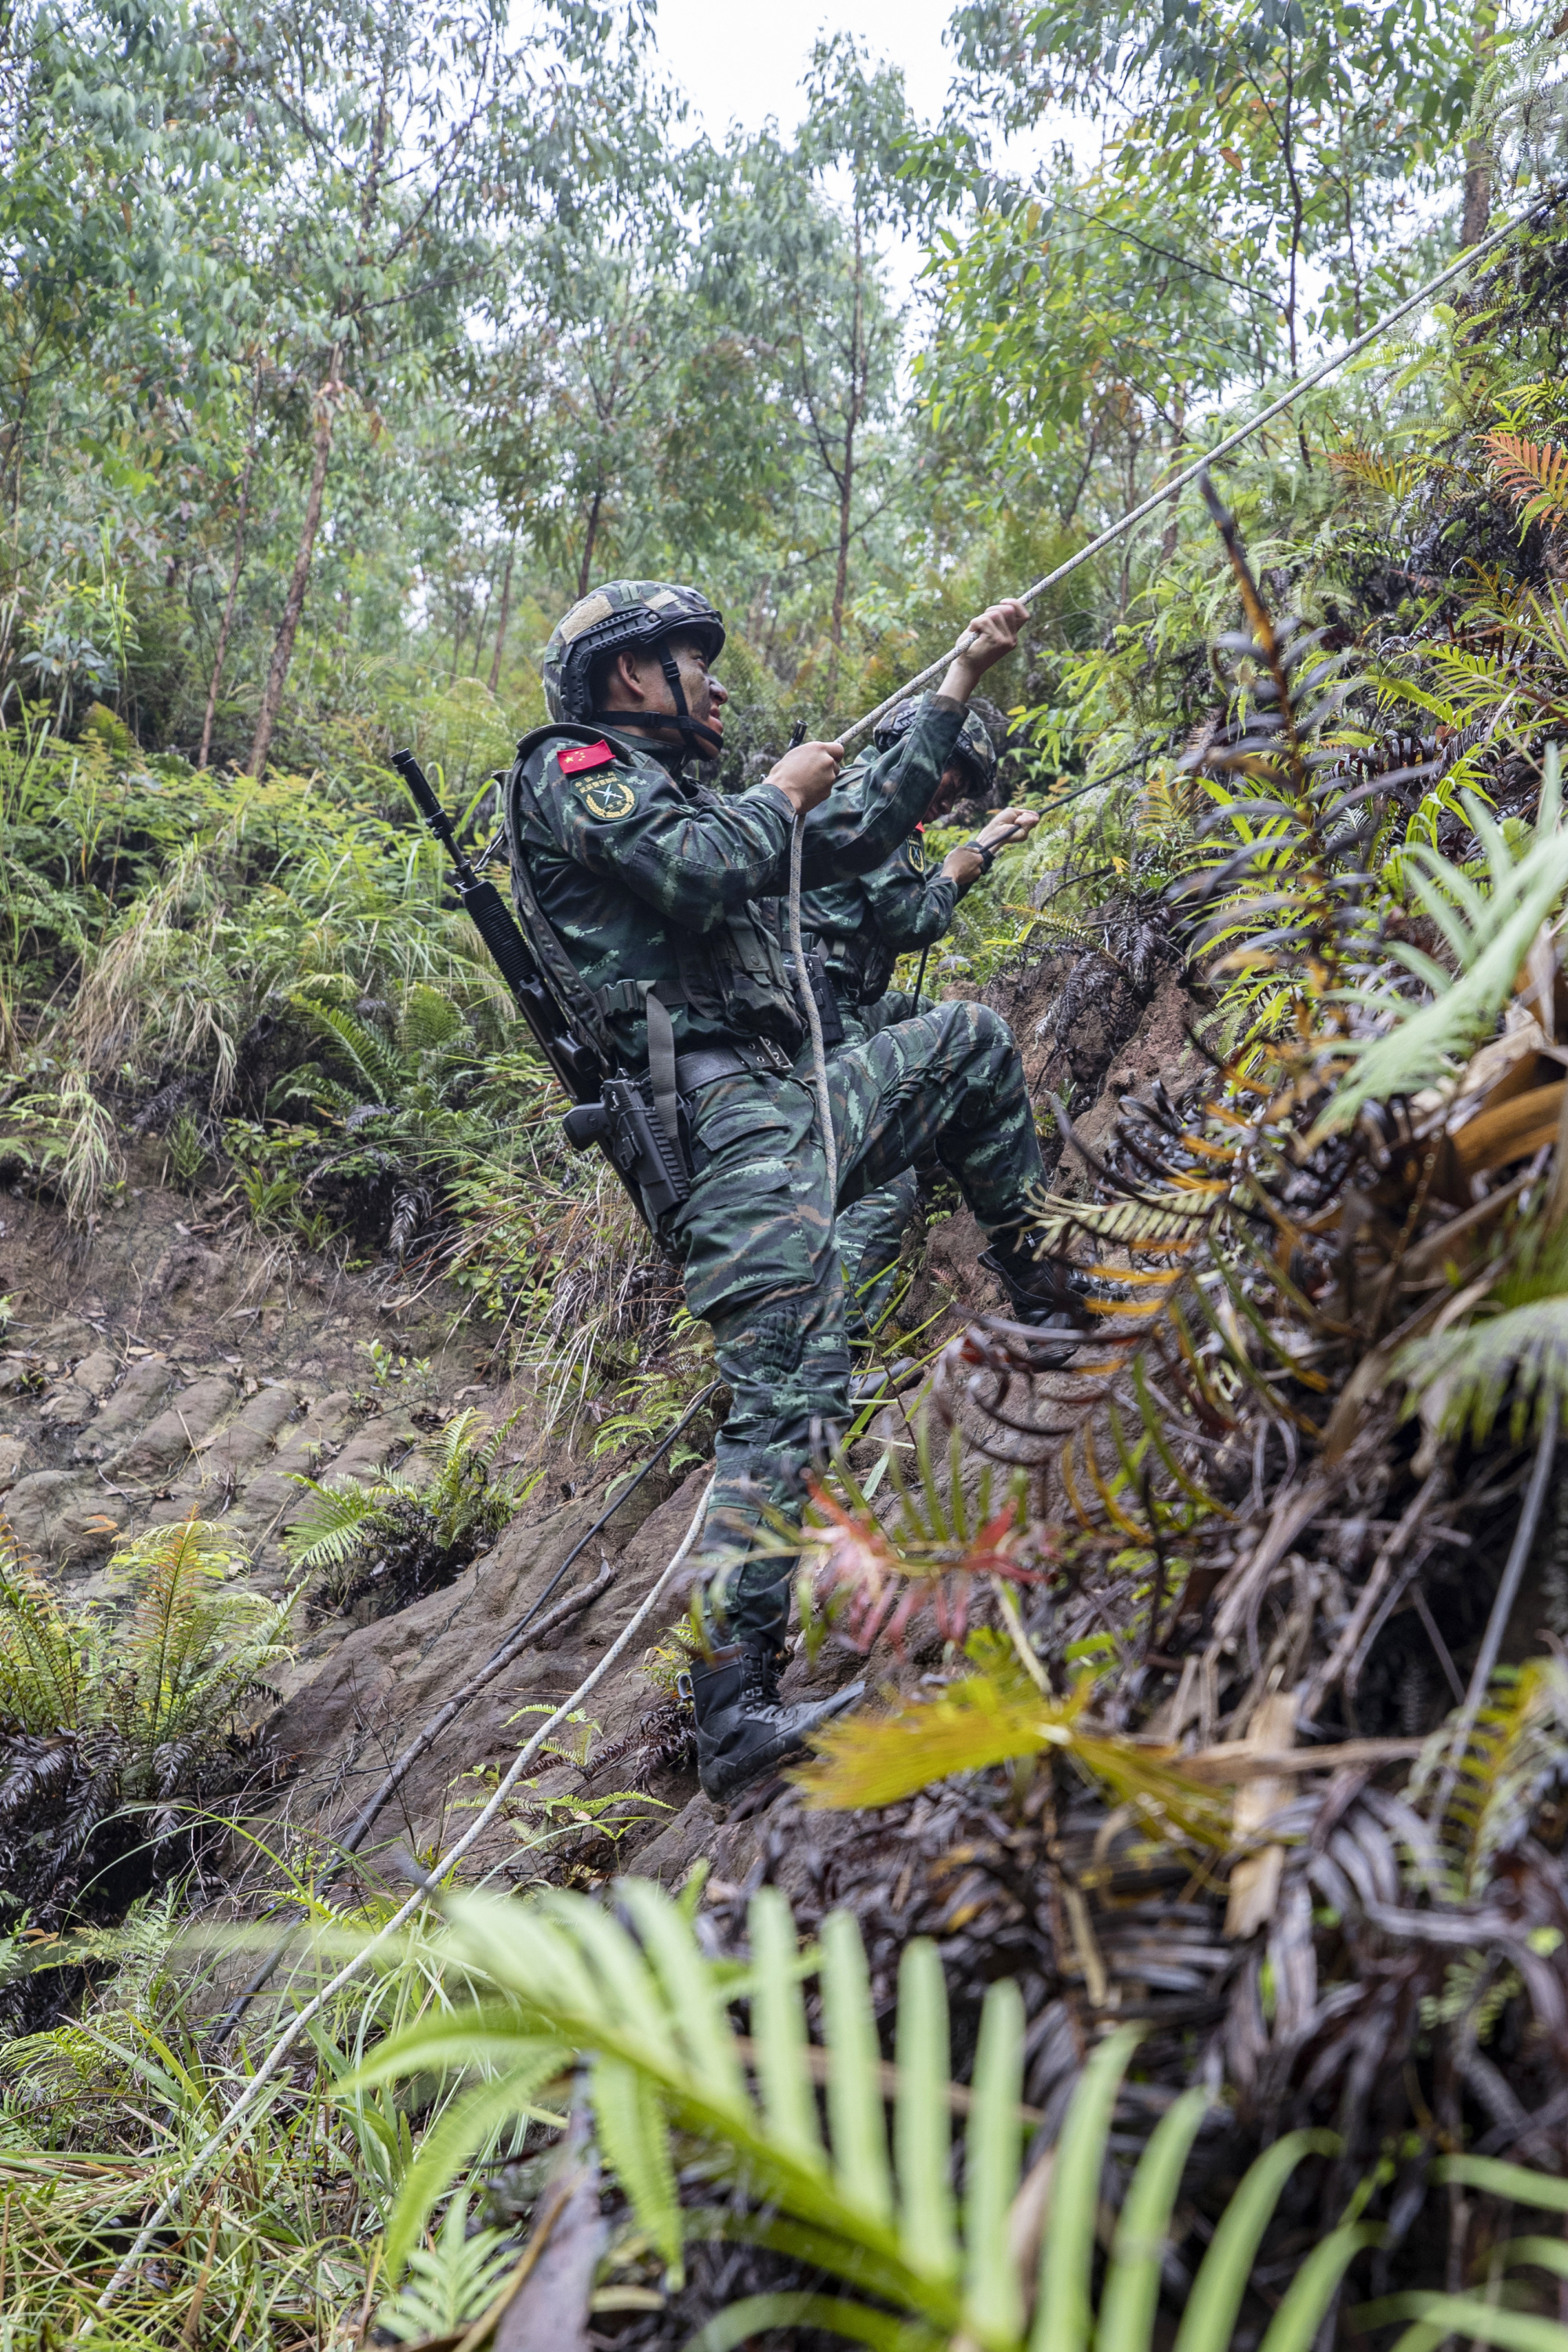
743,64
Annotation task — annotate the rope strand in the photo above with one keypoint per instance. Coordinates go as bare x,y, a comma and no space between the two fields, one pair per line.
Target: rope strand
807,995
270,2067
1178,482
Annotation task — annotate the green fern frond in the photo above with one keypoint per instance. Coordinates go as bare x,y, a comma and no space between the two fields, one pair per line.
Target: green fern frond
193,1649
52,1663
1391,688
1465,1377
634,2133
459,1446
430,1019
1473,685
1513,1352
325,1535
1517,1751
169,1679
632,1991
380,1071
450,2283
1488,933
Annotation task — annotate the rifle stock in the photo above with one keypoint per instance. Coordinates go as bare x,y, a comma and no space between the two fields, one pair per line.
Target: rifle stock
610,1112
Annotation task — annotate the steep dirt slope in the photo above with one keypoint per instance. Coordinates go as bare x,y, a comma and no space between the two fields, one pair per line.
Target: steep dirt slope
169,1367
1091,1029
163,1365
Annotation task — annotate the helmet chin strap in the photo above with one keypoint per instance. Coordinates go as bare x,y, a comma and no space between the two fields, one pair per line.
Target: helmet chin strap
695,736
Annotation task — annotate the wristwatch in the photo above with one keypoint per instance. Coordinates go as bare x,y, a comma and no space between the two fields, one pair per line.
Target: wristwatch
983,851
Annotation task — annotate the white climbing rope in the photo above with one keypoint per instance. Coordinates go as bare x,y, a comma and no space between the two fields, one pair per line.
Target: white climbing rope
807,995
268,2069
1178,482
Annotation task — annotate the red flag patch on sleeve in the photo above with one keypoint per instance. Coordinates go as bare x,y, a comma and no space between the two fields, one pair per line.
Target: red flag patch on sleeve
584,756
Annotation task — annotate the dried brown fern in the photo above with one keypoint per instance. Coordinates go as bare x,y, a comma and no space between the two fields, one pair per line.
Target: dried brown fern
1533,473
1396,478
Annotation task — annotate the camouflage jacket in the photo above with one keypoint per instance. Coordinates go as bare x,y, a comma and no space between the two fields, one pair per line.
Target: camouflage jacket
651,879
863,925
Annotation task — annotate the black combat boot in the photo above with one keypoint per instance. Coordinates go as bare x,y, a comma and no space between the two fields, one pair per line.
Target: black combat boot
1041,1292
744,1728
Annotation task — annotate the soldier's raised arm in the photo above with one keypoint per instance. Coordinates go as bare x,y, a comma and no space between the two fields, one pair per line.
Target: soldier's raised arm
884,797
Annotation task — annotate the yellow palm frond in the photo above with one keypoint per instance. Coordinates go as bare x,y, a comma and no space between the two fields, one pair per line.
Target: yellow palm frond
1395,477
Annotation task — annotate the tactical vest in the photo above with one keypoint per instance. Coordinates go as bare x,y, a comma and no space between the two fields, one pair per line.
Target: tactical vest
735,978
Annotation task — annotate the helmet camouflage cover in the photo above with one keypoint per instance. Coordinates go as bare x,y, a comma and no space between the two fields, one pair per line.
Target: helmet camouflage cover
973,750
632,612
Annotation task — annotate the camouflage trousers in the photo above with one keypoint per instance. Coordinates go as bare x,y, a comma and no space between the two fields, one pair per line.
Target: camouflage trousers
870,1236
756,1241
869,1240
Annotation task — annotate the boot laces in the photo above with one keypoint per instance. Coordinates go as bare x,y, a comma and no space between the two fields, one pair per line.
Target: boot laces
760,1681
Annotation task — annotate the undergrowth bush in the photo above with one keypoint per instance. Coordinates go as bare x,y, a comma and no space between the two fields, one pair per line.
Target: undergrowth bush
267,977
392,1540
123,1729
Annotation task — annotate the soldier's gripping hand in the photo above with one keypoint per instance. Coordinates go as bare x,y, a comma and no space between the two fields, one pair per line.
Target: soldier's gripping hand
966,864
989,638
1008,825
807,774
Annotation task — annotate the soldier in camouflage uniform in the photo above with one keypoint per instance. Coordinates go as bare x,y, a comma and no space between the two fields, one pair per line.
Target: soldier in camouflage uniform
658,906
860,927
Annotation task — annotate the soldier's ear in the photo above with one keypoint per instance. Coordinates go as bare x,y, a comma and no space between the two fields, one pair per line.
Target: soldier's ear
626,672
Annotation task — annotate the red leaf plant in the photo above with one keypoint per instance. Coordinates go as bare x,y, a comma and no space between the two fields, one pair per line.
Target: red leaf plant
861,1573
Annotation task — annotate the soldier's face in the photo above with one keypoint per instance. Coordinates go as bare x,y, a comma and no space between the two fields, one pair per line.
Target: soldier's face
705,698
643,686
953,785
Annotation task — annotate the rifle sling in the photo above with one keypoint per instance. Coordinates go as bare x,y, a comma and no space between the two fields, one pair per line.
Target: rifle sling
661,1071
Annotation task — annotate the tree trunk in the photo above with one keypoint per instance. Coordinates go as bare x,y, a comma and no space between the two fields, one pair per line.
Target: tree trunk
841,577
300,581
585,568
1477,208
1298,206
505,617
1178,443
847,479
226,624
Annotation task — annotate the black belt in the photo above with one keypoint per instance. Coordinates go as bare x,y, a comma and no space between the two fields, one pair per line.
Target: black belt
704,1065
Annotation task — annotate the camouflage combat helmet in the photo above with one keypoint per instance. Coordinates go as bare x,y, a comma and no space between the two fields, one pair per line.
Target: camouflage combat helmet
641,613
973,750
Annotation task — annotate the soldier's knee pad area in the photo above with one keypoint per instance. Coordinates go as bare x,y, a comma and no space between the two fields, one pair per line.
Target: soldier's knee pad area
774,1341
746,1244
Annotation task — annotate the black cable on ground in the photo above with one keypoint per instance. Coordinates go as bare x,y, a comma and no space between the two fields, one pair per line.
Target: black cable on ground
498,1660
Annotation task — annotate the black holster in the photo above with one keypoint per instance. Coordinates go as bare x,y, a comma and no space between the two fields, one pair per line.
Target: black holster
823,990
633,1134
